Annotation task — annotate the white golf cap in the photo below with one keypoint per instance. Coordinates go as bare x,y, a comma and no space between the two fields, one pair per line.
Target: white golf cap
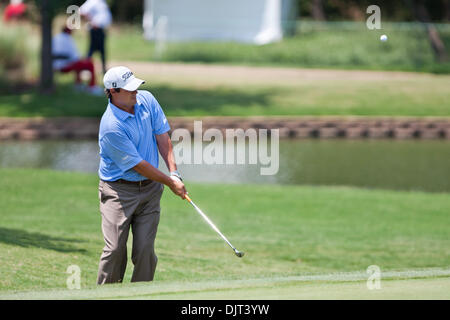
121,77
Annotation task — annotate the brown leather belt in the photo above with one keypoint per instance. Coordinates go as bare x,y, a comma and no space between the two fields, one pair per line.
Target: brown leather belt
136,183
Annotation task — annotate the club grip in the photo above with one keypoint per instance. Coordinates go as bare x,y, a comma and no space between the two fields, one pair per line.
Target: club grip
187,198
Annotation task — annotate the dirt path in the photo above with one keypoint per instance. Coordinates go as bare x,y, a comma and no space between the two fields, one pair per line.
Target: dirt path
231,74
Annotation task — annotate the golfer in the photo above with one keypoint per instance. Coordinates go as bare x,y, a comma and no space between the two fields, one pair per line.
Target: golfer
132,130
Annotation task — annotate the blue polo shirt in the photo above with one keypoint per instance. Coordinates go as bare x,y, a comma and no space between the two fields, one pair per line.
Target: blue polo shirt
126,139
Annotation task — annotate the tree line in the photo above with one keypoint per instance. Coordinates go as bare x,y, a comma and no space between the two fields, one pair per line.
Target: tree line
391,10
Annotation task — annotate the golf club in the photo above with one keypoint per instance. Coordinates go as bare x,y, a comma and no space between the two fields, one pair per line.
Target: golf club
240,254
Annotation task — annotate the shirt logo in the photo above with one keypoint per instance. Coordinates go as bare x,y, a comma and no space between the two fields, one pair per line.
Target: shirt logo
145,115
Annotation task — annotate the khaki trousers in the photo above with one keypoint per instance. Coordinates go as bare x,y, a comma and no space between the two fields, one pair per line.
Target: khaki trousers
123,206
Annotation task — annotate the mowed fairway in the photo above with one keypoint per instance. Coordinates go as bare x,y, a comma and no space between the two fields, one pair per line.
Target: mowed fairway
300,242
431,286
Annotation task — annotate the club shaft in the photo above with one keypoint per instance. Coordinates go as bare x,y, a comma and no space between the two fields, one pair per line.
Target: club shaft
211,224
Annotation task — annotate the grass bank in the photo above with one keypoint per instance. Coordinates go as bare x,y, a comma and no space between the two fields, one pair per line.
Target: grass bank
244,91
49,220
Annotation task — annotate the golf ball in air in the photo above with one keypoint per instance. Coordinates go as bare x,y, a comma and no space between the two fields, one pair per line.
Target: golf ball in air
383,38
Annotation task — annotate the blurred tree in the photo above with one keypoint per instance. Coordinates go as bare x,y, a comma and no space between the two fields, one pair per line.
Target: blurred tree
422,14
130,11
317,10
48,9
439,10
447,10
46,77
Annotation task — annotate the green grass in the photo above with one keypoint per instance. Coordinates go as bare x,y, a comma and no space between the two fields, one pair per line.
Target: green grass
50,220
256,289
216,95
362,98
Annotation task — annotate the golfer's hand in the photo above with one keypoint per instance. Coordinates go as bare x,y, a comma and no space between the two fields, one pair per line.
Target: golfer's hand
177,187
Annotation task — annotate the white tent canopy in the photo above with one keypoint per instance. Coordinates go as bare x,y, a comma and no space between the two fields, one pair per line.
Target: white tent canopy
251,21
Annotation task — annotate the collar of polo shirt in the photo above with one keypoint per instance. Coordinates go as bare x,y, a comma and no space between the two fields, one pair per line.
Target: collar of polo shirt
123,115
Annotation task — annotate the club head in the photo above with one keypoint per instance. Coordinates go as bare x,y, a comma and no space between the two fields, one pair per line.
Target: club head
240,254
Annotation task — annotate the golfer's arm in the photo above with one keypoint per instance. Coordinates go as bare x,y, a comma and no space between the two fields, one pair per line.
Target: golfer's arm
166,149
147,170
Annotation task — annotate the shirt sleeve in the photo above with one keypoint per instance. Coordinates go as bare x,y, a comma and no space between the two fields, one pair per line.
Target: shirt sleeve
121,150
159,121
86,7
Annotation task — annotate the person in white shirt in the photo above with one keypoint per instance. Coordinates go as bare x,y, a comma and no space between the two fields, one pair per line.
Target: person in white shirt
99,16
66,58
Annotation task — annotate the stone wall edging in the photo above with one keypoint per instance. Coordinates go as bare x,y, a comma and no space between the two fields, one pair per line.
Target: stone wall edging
289,127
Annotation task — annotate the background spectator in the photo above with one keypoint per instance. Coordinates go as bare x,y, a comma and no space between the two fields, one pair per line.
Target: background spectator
66,59
99,16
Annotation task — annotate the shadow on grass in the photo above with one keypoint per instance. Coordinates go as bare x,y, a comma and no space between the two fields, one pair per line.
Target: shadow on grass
63,102
27,239
184,101
175,101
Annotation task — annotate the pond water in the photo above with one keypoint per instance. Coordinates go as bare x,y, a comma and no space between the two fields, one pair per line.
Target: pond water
389,164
